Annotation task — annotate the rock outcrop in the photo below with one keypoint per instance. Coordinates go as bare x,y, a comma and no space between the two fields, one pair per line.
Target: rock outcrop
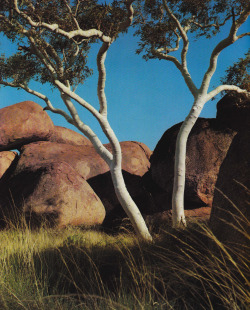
23,123
84,159
67,136
207,147
233,111
230,214
52,193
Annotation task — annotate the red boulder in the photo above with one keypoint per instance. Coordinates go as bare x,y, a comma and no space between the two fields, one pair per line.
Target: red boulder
23,123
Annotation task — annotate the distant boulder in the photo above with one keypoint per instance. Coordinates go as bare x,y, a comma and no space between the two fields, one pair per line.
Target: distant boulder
23,123
52,193
207,147
6,159
65,135
230,214
135,157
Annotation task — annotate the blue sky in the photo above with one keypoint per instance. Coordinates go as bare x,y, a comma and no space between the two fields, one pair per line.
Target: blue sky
144,98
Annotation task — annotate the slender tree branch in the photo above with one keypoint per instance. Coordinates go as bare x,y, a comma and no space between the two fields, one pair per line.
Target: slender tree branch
87,131
232,37
71,14
41,96
182,32
130,15
183,68
179,66
55,27
215,25
174,49
221,88
66,90
102,78
243,35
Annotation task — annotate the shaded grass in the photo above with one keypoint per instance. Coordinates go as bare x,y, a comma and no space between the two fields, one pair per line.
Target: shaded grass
78,268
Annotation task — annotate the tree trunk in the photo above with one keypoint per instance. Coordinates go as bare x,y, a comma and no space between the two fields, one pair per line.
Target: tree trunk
178,216
129,205
121,191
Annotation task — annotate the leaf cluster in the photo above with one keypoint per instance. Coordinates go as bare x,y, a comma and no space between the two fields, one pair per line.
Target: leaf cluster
200,17
239,73
68,57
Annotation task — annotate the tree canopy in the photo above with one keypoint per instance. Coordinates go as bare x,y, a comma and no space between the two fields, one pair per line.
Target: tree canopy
157,31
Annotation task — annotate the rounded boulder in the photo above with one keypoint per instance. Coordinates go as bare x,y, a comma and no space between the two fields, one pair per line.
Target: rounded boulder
23,123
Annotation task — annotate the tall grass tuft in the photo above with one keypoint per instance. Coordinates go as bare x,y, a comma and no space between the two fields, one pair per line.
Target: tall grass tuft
80,268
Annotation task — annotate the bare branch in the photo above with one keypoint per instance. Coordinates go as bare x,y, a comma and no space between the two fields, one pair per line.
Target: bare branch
102,78
243,35
179,66
66,90
183,67
182,32
41,96
71,14
221,88
86,130
215,25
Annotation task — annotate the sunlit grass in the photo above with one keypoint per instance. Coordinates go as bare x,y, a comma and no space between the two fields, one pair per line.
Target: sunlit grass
80,268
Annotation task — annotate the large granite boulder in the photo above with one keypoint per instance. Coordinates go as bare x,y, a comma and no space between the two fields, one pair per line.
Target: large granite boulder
207,147
23,123
88,164
65,135
230,214
52,193
6,159
84,159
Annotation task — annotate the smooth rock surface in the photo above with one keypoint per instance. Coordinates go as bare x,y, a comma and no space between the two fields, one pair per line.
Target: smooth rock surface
53,193
65,135
23,123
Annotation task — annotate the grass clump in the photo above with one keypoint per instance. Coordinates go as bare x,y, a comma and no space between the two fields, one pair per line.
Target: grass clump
77,268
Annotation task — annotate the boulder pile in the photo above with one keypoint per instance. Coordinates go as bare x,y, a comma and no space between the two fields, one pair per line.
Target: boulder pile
58,178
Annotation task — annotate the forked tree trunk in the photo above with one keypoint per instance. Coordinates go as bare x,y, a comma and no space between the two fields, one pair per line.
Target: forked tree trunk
178,216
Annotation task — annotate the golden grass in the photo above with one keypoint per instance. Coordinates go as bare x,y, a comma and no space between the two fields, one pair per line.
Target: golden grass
78,268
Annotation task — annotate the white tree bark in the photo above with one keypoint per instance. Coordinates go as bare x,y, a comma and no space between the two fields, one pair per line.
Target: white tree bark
178,216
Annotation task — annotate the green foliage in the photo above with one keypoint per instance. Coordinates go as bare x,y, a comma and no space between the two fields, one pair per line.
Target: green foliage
201,18
68,57
239,73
